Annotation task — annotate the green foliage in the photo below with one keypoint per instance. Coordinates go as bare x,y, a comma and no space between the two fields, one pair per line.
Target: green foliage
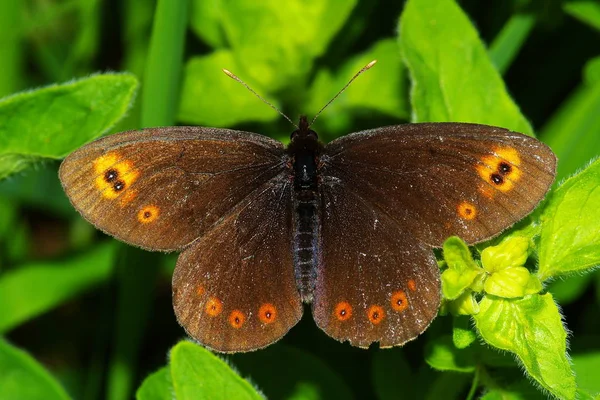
21,377
99,316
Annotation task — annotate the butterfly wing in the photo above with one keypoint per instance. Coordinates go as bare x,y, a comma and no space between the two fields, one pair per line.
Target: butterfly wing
376,282
162,188
390,194
234,288
438,180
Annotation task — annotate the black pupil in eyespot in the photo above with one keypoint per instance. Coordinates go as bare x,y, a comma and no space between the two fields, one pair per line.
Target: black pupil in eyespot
111,175
497,179
119,185
504,168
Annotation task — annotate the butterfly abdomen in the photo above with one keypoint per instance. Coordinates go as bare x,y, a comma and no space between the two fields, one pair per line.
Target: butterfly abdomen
306,245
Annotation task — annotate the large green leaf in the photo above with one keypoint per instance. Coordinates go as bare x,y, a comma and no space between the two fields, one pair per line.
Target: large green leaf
570,235
196,373
532,329
22,378
53,121
156,386
453,77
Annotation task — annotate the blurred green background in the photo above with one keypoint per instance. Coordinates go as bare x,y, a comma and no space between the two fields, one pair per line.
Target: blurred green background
97,315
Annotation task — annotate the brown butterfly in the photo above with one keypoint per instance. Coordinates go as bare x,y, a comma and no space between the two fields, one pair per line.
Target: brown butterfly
348,226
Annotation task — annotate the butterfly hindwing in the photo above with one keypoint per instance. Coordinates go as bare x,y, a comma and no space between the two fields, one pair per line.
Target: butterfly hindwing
443,179
234,289
376,282
162,188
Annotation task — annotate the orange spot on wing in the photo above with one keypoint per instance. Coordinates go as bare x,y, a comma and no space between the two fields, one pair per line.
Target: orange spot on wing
375,314
148,214
114,174
343,311
267,313
501,169
200,290
213,307
467,210
399,301
412,285
237,319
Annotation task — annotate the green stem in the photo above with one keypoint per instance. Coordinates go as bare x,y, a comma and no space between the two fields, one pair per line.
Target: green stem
509,41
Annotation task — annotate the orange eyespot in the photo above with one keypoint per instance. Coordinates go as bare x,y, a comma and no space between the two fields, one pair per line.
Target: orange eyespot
200,290
213,307
343,311
375,314
500,170
114,175
399,301
236,319
148,214
412,285
467,210
267,313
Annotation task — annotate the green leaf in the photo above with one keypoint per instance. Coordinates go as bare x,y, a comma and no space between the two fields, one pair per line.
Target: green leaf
205,21
157,386
511,252
21,377
570,235
209,97
532,329
442,355
462,271
310,377
462,333
52,121
573,132
35,288
196,373
587,11
453,77
296,34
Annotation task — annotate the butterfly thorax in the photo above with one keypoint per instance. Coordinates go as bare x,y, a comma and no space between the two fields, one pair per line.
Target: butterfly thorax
304,151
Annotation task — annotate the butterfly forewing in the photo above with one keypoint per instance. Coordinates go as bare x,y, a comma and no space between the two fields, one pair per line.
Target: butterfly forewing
162,188
438,180
234,288
376,283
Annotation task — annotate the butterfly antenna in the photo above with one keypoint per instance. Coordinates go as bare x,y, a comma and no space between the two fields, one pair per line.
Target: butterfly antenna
234,77
363,69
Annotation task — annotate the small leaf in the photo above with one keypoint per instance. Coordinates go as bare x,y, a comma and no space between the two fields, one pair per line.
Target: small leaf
462,271
52,121
586,368
35,288
570,235
156,386
21,377
465,304
442,355
462,333
532,329
512,282
453,77
196,373
511,252
209,97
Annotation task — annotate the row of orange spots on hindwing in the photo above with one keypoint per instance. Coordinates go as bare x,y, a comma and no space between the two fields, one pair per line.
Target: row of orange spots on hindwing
376,313
500,171
213,307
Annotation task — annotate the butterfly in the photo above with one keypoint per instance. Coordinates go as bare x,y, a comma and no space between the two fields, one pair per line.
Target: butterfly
348,226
